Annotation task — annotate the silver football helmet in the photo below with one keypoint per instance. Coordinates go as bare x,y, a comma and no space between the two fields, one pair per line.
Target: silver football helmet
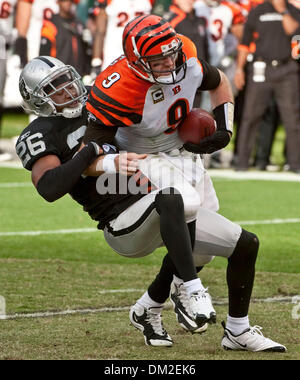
41,80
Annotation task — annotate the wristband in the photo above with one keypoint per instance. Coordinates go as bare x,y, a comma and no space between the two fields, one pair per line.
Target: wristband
223,115
108,163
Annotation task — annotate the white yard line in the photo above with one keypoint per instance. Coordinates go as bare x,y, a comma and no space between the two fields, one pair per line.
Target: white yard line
268,221
11,185
90,230
50,232
254,175
220,302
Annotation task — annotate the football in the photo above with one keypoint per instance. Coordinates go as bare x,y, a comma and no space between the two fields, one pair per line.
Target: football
197,125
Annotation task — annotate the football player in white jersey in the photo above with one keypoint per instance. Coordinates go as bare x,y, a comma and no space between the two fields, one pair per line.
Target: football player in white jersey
222,17
111,18
139,101
7,12
29,22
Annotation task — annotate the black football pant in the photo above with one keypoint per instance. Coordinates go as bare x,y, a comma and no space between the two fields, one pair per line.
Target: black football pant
282,83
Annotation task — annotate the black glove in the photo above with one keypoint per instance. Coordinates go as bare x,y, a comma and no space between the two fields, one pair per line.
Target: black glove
223,115
210,144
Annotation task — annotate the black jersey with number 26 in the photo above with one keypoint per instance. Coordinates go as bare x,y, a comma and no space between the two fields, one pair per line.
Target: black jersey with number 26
62,137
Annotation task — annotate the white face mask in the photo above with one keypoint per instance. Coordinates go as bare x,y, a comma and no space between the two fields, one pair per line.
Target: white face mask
167,79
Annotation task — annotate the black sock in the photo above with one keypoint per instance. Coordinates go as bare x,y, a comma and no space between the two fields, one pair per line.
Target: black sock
159,290
241,273
176,233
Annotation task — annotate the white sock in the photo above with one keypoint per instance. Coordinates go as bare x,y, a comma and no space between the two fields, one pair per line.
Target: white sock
146,301
193,286
237,325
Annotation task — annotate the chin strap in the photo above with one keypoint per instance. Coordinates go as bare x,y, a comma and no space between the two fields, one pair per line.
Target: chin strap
71,113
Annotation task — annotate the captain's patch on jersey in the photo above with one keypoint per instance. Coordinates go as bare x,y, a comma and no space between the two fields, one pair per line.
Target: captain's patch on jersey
158,96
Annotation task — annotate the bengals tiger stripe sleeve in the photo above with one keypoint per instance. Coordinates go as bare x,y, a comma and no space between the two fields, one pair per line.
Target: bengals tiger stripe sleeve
116,100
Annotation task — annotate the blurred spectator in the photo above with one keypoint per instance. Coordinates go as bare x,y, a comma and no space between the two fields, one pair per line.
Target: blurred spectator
111,17
183,19
160,7
225,22
29,21
272,73
6,27
271,119
63,35
222,18
83,10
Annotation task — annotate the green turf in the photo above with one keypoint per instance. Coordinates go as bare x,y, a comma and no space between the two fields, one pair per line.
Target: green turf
85,337
71,271
13,124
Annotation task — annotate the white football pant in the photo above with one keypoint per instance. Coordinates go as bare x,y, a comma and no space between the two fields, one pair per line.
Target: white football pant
136,231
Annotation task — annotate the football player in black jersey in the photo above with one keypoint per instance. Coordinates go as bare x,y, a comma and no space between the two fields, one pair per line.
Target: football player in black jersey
51,147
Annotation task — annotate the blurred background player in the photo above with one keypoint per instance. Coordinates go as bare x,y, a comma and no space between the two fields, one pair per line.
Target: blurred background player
160,7
271,119
224,22
7,9
222,18
273,73
63,37
29,22
111,18
184,20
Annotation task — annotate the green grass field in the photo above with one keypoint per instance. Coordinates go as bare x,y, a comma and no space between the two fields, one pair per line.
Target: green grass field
77,271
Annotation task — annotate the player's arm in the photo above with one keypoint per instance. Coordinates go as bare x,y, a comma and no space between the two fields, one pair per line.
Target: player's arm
237,30
243,50
23,15
125,163
98,44
290,25
53,179
238,21
241,60
218,85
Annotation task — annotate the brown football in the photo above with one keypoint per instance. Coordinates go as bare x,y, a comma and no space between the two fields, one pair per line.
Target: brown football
197,125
